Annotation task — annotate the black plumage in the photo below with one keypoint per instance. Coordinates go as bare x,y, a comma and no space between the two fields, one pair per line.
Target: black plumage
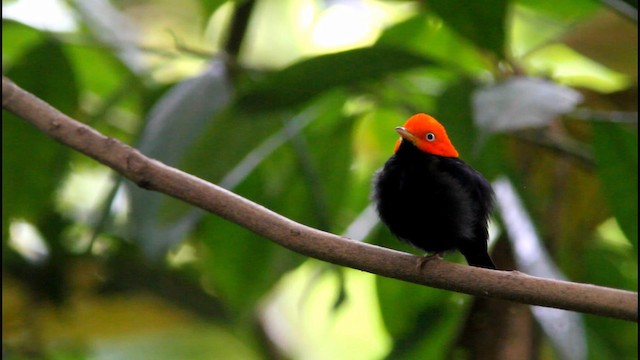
435,203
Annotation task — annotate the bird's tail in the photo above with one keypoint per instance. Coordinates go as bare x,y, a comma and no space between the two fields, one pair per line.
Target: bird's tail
481,259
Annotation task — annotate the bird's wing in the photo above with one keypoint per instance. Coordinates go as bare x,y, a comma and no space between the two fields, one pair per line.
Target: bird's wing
478,187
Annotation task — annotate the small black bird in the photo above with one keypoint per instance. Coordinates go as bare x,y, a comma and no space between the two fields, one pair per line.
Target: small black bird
430,198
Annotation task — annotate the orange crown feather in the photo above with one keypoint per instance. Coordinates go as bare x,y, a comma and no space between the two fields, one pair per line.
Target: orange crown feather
427,134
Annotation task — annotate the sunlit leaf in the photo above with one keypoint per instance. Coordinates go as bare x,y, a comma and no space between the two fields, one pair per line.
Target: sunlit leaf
17,38
305,300
574,69
611,252
566,10
617,267
609,39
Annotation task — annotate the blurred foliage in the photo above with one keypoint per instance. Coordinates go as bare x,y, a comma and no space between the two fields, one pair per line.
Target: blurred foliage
298,120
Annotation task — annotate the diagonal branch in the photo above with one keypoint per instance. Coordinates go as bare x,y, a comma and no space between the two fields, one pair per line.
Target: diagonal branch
153,175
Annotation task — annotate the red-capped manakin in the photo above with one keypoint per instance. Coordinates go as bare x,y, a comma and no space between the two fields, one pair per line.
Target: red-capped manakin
430,198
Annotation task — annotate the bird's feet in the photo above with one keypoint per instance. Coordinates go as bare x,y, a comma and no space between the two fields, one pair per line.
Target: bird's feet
425,259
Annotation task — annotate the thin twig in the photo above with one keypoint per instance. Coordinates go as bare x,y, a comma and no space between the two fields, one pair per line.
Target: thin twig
153,175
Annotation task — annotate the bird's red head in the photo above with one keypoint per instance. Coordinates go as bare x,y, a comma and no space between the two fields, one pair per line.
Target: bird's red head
427,134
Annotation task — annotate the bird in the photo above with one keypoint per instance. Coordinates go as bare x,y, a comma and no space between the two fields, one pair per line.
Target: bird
428,197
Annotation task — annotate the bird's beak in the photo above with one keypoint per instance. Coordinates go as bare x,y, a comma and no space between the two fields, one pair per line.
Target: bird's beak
405,134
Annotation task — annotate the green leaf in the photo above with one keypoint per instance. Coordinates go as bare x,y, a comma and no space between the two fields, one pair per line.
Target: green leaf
33,165
100,72
160,221
174,123
618,266
177,119
109,26
426,34
239,265
305,179
17,38
567,10
323,154
482,22
210,6
616,153
455,112
235,135
422,321
308,78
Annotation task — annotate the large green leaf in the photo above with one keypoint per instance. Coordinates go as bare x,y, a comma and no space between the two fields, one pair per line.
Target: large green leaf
482,22
567,10
241,139
308,78
173,125
616,153
236,143
210,6
32,164
618,268
227,140
239,265
160,221
103,75
422,321
425,34
17,38
324,155
305,180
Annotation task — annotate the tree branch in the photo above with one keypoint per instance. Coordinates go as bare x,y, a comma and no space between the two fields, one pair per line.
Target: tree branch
153,175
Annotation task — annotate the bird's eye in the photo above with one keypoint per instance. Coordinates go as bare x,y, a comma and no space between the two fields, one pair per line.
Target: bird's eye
430,136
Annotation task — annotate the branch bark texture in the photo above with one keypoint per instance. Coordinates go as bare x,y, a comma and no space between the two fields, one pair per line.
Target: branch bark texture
155,176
